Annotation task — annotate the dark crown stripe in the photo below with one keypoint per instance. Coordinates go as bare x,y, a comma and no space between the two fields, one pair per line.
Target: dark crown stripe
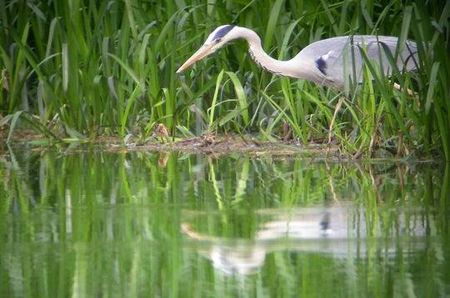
222,32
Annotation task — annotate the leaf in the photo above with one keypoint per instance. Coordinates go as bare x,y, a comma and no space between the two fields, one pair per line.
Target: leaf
214,101
433,82
12,127
241,97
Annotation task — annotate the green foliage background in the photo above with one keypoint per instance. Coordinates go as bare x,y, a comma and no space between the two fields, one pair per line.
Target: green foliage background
83,69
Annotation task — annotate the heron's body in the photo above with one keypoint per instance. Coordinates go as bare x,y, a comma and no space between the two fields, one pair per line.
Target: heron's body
339,60
333,62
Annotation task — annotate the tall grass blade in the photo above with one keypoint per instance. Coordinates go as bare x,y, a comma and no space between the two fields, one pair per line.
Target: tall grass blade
212,109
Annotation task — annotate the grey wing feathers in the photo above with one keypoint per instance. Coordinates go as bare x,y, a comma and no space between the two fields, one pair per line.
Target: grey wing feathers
339,60
378,49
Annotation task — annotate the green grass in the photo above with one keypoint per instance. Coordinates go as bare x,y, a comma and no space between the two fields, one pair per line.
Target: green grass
86,69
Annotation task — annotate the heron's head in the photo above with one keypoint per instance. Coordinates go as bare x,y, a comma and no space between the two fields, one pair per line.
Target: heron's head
217,39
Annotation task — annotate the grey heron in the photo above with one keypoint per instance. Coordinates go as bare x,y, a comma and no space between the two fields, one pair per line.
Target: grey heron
331,62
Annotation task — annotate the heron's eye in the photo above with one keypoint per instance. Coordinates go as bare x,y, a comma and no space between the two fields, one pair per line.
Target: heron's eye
218,40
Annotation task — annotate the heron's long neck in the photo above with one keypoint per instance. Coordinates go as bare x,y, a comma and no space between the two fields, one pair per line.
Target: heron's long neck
262,58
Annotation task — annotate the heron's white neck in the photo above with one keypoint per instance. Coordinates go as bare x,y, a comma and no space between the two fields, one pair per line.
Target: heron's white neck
285,68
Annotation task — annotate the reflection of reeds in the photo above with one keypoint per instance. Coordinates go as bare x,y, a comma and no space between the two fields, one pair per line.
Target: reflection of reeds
80,222
83,70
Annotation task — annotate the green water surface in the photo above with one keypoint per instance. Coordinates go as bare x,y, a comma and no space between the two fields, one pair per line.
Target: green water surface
89,223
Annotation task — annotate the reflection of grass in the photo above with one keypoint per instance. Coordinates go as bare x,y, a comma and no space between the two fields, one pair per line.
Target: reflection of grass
90,223
108,68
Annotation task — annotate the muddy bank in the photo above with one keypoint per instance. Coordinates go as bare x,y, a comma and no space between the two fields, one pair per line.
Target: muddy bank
212,144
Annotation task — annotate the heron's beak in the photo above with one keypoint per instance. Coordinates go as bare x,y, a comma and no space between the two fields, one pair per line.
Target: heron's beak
199,55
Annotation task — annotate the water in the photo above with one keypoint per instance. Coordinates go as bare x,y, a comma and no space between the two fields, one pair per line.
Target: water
88,223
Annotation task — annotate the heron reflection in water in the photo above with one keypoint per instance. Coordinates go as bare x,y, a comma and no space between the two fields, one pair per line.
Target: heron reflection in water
336,231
